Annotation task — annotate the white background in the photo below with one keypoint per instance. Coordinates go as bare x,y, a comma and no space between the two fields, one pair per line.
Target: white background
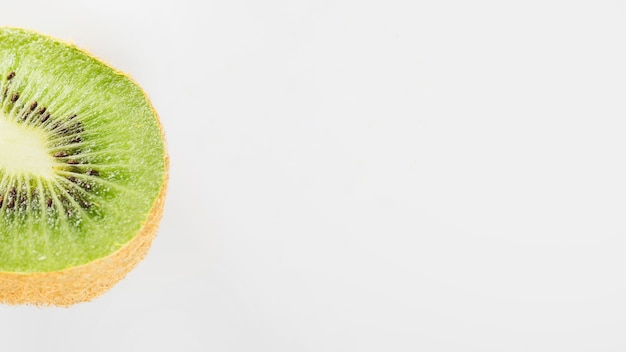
365,176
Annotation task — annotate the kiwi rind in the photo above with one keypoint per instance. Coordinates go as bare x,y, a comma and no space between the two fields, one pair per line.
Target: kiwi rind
86,281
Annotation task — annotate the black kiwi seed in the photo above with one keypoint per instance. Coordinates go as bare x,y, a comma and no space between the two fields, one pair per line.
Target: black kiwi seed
42,110
84,203
12,195
1,200
92,172
60,154
49,202
79,199
73,162
64,202
29,111
68,130
45,117
10,75
15,97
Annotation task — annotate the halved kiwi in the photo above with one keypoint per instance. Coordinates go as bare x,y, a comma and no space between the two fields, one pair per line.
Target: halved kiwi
83,172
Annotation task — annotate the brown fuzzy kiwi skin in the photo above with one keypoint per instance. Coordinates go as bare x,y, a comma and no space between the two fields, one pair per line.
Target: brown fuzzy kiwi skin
85,282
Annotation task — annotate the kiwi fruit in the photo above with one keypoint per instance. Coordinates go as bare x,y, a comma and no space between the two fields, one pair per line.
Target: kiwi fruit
83,172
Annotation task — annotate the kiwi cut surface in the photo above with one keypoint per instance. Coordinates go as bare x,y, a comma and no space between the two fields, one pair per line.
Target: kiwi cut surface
83,172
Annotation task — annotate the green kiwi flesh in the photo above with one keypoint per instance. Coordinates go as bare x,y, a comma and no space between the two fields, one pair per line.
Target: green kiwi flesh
82,158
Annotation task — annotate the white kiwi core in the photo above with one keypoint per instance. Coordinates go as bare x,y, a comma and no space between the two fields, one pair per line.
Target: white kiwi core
23,149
